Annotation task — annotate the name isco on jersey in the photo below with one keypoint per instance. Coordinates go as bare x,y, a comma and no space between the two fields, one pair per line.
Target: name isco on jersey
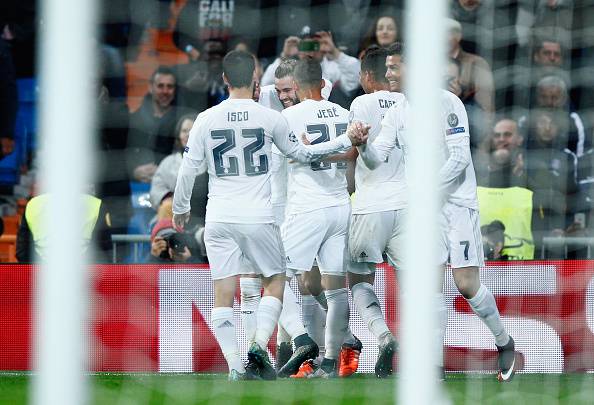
237,116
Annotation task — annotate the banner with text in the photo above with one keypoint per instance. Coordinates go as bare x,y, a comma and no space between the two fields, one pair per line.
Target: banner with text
148,318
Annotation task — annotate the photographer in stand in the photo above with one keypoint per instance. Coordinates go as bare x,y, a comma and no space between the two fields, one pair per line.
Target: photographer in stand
170,246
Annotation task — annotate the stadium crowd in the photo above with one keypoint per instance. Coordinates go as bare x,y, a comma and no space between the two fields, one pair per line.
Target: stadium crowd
522,68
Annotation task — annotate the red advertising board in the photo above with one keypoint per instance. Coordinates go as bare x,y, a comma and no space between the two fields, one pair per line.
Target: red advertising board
154,318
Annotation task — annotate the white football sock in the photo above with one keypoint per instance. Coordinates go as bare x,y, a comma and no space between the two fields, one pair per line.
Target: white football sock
281,335
322,300
289,317
268,313
369,308
319,328
223,326
250,289
337,321
484,306
314,320
442,323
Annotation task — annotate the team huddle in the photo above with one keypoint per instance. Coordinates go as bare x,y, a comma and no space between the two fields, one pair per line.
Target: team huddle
278,208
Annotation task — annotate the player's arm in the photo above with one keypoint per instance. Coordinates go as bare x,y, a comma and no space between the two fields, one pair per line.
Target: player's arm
457,139
192,165
376,152
348,156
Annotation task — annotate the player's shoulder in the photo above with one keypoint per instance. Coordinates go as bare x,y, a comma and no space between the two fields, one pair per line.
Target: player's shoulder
451,101
399,103
398,97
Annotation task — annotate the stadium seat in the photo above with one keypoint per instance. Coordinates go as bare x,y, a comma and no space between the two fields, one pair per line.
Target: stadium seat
8,249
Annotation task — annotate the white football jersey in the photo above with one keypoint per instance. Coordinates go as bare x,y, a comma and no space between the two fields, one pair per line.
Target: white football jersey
462,191
382,189
456,130
459,190
321,184
269,98
235,138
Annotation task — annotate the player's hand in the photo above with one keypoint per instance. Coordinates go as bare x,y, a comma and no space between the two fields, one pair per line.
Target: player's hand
290,47
518,168
358,133
327,45
304,139
179,221
158,246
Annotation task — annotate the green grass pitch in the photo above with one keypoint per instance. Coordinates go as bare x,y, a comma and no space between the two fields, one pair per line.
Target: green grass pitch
156,389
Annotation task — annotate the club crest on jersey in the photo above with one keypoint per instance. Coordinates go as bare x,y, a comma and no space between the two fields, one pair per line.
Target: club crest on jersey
292,137
186,149
351,116
452,120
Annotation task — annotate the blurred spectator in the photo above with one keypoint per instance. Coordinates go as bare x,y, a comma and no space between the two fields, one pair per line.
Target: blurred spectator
281,94
551,93
506,219
472,16
341,69
168,246
551,171
163,183
119,36
31,240
500,161
476,79
200,82
547,53
151,135
113,180
8,100
290,16
548,58
216,20
350,20
545,16
383,32
18,27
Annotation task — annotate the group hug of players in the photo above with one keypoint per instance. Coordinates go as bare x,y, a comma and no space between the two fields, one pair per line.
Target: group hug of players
278,208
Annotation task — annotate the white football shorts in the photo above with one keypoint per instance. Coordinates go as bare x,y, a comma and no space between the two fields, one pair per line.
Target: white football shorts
279,213
370,235
461,239
244,249
321,234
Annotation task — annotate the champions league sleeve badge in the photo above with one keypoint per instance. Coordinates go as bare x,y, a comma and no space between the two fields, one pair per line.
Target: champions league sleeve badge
452,120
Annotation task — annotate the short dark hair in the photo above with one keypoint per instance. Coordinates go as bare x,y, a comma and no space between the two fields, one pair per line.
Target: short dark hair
308,72
163,70
397,48
374,62
285,68
238,68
